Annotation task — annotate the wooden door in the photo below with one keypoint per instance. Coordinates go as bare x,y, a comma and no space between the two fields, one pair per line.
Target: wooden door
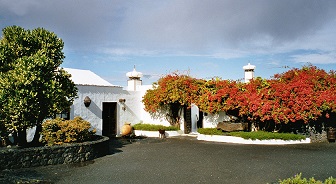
187,120
109,118
200,120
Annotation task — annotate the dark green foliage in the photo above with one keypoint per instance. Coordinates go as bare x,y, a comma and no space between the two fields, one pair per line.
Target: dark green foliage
32,86
150,127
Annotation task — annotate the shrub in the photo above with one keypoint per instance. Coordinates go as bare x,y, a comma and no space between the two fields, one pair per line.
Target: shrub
59,131
150,127
209,131
298,180
262,135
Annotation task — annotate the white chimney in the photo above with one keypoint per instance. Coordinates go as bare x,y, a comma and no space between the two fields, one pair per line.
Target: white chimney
249,72
134,81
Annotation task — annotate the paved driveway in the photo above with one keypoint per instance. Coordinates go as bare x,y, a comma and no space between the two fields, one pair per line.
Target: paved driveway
185,160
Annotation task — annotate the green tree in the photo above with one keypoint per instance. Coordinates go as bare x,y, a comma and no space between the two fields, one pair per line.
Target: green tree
32,85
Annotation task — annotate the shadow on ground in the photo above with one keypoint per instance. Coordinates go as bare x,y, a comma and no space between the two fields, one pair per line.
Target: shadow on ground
33,175
116,143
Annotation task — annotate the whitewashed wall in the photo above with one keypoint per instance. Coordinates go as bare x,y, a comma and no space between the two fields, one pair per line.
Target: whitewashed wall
211,120
145,116
134,112
194,118
100,94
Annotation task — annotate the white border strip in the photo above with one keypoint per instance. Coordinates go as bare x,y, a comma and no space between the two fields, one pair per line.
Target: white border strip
239,140
155,133
221,138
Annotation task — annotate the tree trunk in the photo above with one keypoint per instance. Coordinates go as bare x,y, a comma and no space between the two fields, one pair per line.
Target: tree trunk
15,137
22,137
36,139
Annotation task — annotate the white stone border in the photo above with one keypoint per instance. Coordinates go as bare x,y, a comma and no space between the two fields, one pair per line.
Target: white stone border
222,138
155,133
239,140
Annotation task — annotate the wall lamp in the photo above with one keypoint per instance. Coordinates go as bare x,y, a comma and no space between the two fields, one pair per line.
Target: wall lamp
122,101
87,101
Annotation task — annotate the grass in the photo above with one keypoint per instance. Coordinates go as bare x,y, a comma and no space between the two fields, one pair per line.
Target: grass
150,127
260,135
209,131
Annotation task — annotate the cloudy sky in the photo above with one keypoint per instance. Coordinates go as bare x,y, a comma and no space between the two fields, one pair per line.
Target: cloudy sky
205,39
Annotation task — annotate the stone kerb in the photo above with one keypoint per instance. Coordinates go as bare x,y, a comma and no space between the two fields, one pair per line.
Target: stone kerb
13,158
239,140
155,133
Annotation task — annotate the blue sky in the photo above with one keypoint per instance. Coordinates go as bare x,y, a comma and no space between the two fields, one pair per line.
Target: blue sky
205,39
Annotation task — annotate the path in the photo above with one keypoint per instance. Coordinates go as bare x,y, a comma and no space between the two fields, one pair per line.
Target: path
185,160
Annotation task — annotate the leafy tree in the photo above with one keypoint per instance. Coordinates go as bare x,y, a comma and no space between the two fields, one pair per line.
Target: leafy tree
307,94
32,86
170,95
296,97
289,100
219,95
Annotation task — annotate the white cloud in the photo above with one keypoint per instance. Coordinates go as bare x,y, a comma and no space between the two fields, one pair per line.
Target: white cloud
128,52
226,30
323,58
230,54
275,63
19,8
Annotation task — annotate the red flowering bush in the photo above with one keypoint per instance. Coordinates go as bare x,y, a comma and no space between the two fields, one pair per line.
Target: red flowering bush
298,96
301,95
170,94
218,95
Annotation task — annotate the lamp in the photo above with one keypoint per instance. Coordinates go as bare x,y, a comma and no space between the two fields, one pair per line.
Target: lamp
122,101
87,101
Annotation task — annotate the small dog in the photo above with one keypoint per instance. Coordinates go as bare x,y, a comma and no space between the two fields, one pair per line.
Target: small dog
162,134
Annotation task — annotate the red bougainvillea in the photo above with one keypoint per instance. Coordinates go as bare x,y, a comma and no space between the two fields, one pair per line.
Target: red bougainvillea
298,95
173,88
218,95
170,94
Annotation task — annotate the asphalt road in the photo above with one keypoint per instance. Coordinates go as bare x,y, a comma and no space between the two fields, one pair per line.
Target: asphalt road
185,160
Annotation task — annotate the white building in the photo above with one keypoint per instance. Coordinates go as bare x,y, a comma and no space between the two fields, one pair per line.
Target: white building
108,107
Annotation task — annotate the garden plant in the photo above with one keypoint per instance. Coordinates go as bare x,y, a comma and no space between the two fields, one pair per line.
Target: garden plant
33,87
297,179
257,135
58,131
293,101
151,127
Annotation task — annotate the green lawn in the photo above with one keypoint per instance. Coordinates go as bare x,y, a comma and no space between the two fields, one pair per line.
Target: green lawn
260,135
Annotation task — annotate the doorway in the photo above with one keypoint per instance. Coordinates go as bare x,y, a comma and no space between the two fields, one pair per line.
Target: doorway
109,119
187,120
200,120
